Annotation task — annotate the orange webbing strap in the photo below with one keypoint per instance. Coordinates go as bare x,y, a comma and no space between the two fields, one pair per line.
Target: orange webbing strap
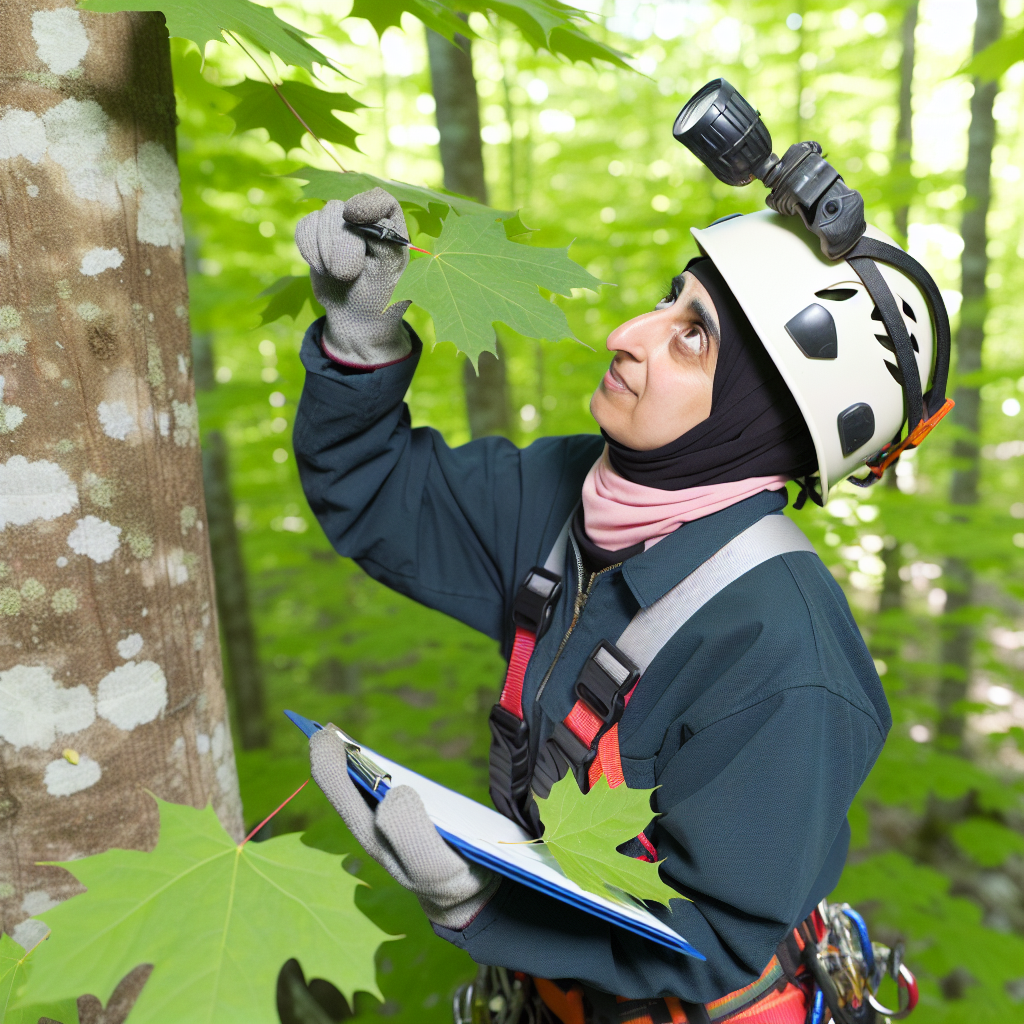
912,440
566,1006
512,692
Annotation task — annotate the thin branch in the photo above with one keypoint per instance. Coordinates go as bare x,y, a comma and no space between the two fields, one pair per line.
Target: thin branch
284,99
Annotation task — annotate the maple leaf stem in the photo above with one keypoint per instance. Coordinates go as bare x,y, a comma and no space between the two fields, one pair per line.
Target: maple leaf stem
271,814
284,99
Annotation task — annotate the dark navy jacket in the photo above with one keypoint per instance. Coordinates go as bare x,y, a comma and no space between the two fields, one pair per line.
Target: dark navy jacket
759,719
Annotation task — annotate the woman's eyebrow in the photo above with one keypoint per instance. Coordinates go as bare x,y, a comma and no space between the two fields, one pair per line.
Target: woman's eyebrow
703,314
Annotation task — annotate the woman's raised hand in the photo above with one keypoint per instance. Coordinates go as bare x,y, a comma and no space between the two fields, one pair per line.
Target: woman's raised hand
353,278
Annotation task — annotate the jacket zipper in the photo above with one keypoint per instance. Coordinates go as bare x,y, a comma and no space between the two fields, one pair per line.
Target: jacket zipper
582,596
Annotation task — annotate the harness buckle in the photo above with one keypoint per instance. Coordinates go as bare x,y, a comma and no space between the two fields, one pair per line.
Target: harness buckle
536,600
605,679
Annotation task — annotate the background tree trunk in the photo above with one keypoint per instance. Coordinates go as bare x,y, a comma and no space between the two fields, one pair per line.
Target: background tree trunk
241,651
958,640
892,586
905,118
488,404
108,634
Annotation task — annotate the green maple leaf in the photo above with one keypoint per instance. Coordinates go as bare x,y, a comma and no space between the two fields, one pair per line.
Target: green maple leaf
427,205
216,920
260,106
477,278
15,965
205,20
582,832
544,24
384,14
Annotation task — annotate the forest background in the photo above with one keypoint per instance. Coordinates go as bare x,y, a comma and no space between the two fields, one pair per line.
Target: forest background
587,154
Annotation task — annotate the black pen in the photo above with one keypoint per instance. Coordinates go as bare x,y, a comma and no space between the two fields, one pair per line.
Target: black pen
382,233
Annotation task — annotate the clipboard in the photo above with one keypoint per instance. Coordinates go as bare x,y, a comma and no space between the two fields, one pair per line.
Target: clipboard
489,839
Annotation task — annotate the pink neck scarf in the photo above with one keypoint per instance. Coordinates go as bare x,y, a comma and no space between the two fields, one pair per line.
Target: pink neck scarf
618,513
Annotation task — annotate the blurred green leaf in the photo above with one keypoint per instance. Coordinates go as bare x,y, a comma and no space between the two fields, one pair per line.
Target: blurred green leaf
261,106
996,59
986,841
289,297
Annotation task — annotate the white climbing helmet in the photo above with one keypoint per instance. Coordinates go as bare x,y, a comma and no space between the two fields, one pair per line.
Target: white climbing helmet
824,332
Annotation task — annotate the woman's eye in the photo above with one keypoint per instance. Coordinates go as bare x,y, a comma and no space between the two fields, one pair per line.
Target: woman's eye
692,340
665,302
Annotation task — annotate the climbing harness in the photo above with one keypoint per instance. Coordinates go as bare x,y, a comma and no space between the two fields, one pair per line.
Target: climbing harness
826,968
586,741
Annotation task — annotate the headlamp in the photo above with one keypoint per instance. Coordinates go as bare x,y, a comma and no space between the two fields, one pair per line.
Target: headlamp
726,133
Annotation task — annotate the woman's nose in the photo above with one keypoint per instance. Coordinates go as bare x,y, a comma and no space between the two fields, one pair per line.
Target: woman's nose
634,336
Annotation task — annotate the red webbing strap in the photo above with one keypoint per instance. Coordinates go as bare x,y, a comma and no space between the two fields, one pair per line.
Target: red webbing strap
512,692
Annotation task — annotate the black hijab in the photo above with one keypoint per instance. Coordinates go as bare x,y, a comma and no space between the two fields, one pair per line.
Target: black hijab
755,427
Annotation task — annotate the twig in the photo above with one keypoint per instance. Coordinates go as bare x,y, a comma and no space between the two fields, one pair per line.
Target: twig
284,99
269,816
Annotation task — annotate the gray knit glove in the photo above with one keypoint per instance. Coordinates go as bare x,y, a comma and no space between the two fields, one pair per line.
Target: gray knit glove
400,837
353,278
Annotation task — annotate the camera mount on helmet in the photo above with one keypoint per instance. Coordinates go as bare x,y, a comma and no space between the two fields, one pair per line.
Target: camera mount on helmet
726,134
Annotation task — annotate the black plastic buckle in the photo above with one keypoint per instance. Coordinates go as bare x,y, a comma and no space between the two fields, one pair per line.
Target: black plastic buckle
605,679
535,602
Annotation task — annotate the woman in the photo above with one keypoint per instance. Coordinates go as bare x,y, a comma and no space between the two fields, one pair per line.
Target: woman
758,720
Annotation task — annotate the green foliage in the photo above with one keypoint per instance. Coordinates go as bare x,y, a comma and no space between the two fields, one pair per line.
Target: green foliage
428,206
544,24
203,21
416,685
216,920
996,59
15,965
261,106
477,278
289,296
943,933
987,842
582,832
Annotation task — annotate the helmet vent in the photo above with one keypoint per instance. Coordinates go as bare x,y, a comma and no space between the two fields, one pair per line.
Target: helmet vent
885,341
814,332
856,426
836,294
908,310
897,374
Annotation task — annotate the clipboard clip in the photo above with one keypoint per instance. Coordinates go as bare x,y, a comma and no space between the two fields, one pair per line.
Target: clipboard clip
368,771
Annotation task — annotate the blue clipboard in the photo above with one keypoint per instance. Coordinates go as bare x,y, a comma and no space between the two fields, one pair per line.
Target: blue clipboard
528,865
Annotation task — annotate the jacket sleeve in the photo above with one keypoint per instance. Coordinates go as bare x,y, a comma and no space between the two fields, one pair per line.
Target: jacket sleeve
753,831
455,529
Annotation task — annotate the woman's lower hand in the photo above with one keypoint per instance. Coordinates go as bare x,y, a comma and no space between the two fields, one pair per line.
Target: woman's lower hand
400,837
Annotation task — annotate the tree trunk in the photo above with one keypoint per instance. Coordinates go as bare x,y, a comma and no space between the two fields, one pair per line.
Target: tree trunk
245,674
110,677
904,123
892,586
958,641
488,404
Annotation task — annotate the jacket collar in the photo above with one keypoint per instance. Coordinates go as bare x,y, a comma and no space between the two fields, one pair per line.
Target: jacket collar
655,572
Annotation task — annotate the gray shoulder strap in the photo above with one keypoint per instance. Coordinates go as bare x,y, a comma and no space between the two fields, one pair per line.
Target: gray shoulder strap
555,561
652,627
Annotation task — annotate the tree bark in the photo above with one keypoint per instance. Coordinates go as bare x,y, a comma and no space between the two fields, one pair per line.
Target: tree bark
488,404
958,642
110,677
245,674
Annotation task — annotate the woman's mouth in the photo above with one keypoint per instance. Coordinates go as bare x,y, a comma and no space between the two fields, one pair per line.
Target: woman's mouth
614,383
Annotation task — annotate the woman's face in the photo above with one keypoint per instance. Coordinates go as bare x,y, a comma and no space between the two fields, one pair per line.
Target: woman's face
659,383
